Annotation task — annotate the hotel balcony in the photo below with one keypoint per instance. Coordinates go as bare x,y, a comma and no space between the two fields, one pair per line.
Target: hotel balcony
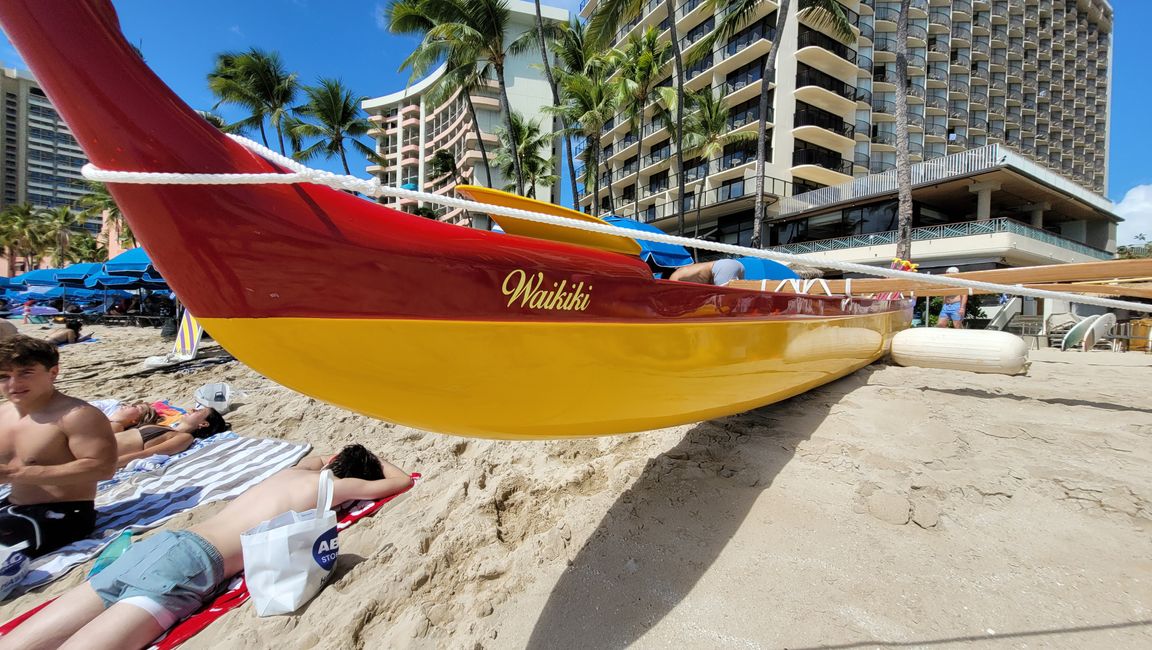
1017,243
827,168
823,128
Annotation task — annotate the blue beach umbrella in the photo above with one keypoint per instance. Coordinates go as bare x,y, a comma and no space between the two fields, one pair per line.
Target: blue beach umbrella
666,255
37,278
761,269
131,262
74,275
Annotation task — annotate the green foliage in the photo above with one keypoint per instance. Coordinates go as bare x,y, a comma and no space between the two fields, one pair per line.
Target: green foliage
529,141
258,82
336,119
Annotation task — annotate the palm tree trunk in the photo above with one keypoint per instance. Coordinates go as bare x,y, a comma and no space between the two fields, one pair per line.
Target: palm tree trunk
903,165
592,164
263,135
344,161
556,101
479,140
678,136
768,73
280,134
506,106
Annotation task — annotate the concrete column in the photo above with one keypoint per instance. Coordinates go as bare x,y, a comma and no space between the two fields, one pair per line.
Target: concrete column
983,192
1036,210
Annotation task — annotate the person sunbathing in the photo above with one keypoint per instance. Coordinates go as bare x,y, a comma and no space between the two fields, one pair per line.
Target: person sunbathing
718,272
132,415
70,333
173,573
153,439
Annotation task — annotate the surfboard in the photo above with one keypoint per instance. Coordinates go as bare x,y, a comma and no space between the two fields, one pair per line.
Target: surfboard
514,226
1100,329
1078,332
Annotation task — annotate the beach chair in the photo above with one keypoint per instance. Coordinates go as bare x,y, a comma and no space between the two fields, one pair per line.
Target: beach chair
188,337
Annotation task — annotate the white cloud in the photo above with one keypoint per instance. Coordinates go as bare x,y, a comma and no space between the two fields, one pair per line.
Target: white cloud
1136,209
378,16
235,29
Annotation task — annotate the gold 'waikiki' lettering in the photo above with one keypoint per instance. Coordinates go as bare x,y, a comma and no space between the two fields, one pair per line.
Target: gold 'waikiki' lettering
519,286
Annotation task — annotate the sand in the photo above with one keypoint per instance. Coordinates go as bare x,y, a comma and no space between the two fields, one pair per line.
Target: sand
899,506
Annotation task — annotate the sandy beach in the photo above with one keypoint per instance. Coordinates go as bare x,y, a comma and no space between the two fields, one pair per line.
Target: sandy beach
898,506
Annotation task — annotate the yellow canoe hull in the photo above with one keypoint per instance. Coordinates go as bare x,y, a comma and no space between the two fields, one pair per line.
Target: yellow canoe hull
599,378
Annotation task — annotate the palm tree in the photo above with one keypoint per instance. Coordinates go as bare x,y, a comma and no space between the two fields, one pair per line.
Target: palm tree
86,248
60,225
737,14
587,105
462,77
480,27
444,163
903,165
638,66
706,134
98,202
24,228
338,120
258,82
528,142
612,13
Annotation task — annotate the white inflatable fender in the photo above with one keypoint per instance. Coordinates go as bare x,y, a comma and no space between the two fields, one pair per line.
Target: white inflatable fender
987,351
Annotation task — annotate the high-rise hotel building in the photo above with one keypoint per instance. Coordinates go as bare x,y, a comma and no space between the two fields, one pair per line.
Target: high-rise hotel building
1008,122
41,160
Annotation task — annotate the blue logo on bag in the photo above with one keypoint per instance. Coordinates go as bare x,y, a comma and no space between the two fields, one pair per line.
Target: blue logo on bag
326,548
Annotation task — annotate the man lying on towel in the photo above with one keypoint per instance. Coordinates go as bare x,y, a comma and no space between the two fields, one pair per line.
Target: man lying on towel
53,450
173,573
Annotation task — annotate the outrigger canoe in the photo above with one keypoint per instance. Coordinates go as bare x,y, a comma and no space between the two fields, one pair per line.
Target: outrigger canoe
415,321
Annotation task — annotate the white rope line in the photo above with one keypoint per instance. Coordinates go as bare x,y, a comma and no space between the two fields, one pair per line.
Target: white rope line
373,187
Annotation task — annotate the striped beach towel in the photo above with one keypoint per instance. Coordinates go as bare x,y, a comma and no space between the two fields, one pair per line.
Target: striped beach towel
142,502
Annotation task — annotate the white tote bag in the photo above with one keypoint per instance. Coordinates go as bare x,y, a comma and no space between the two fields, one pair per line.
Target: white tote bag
288,558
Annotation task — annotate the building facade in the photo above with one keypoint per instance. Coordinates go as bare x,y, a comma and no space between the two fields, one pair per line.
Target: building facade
41,160
410,129
1025,78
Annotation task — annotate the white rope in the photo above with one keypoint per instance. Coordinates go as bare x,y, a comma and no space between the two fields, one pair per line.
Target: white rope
373,187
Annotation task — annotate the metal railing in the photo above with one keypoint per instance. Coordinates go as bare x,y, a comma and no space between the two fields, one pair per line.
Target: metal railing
827,160
945,231
961,164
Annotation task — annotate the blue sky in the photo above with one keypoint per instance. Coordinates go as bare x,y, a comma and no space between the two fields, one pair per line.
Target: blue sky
346,40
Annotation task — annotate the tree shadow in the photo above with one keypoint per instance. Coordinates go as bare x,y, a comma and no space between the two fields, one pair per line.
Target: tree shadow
974,392
662,534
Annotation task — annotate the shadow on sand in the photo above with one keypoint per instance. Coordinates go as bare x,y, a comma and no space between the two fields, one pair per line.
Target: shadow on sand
663,533
973,392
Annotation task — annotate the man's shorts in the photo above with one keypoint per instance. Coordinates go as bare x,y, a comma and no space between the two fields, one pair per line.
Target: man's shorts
46,526
169,575
726,270
951,311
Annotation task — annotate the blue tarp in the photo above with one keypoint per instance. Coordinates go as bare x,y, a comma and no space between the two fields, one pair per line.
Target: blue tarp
666,255
131,262
761,269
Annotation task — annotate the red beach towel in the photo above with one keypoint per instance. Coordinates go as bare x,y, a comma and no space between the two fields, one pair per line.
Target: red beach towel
236,595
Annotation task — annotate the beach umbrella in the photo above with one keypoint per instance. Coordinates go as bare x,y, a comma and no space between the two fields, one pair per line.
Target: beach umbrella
37,278
106,281
74,275
761,269
666,255
4,282
134,261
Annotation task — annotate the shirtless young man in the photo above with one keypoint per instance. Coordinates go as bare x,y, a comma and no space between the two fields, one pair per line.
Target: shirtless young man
169,575
53,450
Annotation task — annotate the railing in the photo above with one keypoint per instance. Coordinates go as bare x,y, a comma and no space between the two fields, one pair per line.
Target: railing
715,196
941,17
883,106
945,231
827,160
961,58
957,165
964,6
814,77
915,60
957,140
917,32
959,31
939,46
881,166
811,38
885,137
824,120
936,101
887,13
936,130
884,44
